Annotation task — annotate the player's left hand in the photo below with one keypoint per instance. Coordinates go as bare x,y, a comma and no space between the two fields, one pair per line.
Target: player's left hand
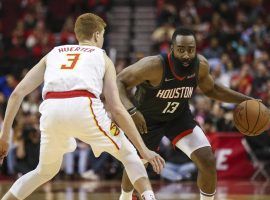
155,160
3,150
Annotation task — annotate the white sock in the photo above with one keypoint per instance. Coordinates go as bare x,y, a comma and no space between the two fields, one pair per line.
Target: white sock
126,195
148,195
205,196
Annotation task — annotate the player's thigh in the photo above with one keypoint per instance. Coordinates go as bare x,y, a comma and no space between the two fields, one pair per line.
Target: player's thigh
192,141
98,130
102,137
54,145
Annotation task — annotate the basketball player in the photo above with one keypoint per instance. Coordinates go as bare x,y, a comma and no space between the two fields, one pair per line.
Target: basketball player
74,77
165,83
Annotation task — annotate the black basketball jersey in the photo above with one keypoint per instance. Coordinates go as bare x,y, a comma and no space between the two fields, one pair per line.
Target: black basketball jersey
171,98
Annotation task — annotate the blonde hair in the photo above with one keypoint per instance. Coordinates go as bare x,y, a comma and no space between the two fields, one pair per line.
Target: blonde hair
87,24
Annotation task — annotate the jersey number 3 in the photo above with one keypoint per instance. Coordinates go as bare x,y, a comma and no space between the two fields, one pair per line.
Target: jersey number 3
171,107
73,58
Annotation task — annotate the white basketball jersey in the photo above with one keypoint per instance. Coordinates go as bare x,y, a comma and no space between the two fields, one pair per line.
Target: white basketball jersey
74,67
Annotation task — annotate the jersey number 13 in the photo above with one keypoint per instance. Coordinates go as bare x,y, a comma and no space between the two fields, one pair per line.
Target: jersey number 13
171,107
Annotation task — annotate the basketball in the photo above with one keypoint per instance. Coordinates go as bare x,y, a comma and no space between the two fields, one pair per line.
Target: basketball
251,117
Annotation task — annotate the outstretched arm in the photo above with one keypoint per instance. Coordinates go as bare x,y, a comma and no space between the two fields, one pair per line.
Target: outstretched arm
30,82
214,90
123,119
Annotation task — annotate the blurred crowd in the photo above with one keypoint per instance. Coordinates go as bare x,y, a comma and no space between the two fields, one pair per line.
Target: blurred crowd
233,35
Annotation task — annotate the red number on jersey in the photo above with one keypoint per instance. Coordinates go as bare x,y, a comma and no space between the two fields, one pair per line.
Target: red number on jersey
74,57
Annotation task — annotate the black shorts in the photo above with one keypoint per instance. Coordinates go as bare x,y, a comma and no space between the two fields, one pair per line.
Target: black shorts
174,130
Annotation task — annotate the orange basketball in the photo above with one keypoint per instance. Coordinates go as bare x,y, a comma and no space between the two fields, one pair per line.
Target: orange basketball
251,117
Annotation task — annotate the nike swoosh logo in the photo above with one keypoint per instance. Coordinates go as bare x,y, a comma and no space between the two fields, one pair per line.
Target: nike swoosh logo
169,79
191,76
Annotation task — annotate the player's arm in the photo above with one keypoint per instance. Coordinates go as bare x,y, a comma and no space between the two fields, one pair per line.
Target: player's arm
215,90
123,119
30,82
146,69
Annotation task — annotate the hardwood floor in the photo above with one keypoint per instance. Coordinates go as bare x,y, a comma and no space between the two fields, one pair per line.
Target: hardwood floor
110,190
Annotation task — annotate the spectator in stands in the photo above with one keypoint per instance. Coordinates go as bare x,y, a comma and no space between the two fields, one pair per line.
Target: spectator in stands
27,151
167,14
67,35
81,154
214,50
7,84
242,81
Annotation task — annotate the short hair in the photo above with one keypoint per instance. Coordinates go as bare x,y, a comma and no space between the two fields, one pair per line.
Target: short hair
182,31
87,24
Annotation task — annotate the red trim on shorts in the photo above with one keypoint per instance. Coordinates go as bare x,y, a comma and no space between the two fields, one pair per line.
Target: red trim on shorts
69,94
181,135
99,127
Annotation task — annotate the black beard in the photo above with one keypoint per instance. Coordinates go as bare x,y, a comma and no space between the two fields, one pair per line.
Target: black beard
179,68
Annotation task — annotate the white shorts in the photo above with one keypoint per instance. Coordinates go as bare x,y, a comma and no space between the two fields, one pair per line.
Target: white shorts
193,141
84,118
63,120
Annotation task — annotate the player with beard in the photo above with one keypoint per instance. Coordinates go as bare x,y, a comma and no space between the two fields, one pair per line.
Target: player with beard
165,84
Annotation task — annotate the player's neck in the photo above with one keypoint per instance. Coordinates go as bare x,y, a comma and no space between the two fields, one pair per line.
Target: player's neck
87,43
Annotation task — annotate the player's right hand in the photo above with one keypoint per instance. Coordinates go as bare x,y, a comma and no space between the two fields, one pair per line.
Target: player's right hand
139,121
3,150
155,160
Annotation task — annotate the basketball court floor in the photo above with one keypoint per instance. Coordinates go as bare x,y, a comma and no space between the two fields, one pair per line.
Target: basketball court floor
110,190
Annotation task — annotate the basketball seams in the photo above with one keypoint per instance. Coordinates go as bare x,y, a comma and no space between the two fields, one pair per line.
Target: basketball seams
244,115
239,124
263,126
251,132
247,115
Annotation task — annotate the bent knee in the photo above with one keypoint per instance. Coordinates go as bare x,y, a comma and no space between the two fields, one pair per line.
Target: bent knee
47,171
210,161
205,160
